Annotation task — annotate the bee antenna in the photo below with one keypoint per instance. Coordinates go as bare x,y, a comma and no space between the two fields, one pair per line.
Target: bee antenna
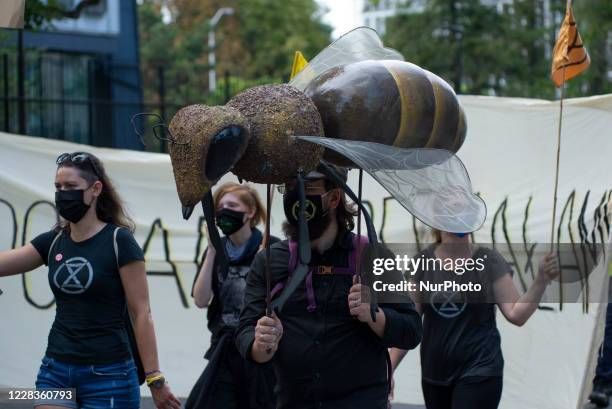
160,124
136,129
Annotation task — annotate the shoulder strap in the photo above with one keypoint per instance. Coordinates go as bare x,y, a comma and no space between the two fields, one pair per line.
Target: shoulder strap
293,260
359,242
293,255
129,325
116,246
57,236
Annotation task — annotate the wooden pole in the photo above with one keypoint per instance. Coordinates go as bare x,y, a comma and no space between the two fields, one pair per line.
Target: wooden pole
552,228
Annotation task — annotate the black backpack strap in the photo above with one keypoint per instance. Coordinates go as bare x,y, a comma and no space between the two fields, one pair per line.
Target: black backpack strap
129,325
57,236
116,246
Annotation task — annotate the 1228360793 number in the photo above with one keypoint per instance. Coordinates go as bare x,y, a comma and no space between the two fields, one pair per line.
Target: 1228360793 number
36,394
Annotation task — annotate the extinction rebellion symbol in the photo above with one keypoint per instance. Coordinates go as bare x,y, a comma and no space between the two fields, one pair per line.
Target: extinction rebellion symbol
448,304
309,212
74,276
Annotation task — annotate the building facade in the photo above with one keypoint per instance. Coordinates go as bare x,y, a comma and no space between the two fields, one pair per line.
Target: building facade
375,12
82,77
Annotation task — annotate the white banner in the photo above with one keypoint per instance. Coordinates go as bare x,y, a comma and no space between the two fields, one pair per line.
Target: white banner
510,153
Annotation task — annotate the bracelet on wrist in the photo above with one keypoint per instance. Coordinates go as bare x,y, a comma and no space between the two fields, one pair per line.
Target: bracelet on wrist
156,381
152,378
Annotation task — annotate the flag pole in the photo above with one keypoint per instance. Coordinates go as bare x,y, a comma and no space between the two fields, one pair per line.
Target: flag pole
569,59
552,228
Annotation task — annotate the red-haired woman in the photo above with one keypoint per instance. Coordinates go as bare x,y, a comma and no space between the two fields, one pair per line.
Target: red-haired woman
229,381
97,274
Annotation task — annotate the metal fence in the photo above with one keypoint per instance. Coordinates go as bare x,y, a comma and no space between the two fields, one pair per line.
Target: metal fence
86,99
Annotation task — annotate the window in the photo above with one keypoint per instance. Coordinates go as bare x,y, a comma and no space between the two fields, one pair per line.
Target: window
96,11
57,90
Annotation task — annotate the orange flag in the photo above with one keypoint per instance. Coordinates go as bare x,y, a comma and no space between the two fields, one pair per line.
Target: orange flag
570,57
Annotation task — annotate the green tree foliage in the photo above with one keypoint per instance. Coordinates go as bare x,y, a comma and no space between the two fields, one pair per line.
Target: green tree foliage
271,31
41,12
256,44
505,48
594,21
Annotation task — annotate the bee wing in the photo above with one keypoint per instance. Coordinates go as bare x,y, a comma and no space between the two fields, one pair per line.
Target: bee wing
432,184
359,44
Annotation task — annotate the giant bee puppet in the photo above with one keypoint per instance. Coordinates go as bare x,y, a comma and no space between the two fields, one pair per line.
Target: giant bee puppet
356,104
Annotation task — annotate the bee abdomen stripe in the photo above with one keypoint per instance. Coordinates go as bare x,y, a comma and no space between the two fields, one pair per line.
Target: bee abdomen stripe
417,104
446,118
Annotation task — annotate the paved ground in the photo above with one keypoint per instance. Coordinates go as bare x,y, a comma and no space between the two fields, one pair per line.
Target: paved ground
147,403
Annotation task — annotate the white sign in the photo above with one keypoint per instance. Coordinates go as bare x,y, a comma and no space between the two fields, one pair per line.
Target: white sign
510,154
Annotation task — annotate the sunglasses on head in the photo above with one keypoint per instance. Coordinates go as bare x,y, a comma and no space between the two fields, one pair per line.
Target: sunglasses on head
78,158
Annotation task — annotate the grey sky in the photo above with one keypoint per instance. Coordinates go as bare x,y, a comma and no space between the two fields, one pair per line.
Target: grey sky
342,15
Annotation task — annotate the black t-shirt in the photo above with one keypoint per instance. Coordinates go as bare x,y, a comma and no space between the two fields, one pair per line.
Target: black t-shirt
460,335
89,326
326,358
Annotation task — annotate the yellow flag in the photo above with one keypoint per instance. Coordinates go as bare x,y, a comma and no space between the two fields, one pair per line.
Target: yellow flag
570,57
299,62
11,13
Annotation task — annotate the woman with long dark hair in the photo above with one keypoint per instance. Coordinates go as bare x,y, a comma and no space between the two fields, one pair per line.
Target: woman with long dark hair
230,382
461,358
97,275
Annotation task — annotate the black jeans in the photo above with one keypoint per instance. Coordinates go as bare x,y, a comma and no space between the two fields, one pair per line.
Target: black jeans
230,382
603,372
481,392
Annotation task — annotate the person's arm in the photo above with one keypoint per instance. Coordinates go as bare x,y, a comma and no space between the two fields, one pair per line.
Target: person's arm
516,308
19,260
134,280
396,356
268,333
398,325
202,288
403,327
257,334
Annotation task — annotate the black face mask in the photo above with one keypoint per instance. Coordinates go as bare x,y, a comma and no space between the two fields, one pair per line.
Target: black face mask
316,216
230,221
70,204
